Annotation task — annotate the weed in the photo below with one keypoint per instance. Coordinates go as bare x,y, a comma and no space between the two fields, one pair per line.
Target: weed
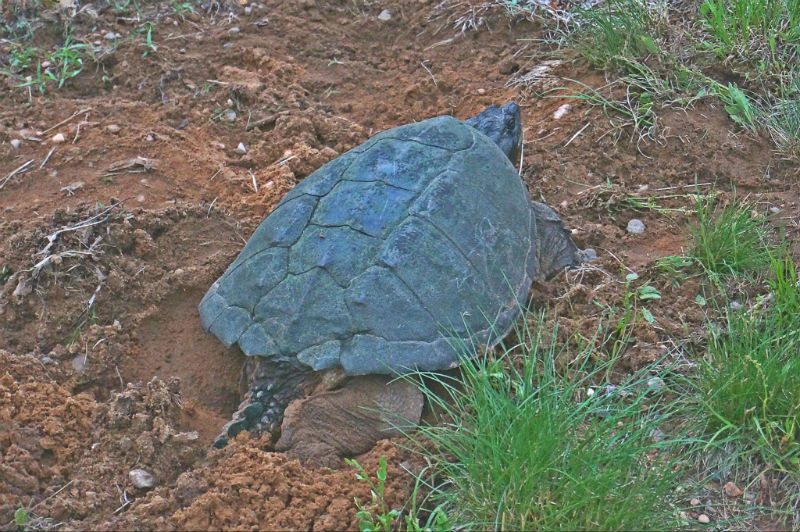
522,447
21,57
378,517
731,240
67,62
149,46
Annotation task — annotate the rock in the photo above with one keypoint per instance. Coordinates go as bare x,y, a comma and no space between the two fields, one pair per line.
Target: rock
229,115
16,143
636,227
241,149
481,91
113,128
695,502
111,36
562,111
704,519
385,16
141,479
234,30
509,67
150,137
657,435
79,363
186,437
774,210
732,490
248,10
735,305
58,138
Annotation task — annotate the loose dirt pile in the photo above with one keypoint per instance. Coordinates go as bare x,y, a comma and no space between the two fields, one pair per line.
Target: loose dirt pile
107,248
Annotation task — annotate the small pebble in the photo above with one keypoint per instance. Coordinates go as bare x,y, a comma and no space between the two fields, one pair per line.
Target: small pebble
141,479
704,519
735,305
79,363
248,10
16,143
774,210
229,115
481,91
233,31
113,128
732,490
655,384
111,36
695,502
385,16
150,137
241,149
58,138
636,227
45,64
562,111
657,435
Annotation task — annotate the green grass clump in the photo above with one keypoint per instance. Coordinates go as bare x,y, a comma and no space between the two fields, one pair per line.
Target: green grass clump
765,32
620,29
527,448
750,378
730,240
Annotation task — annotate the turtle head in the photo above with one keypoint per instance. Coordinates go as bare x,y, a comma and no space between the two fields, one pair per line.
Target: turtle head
502,124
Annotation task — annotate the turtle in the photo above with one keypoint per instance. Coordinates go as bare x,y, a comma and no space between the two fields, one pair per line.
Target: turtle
378,264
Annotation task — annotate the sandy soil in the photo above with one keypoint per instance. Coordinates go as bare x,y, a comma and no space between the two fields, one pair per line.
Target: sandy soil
106,250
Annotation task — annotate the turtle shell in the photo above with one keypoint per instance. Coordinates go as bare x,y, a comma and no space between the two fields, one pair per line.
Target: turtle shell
386,257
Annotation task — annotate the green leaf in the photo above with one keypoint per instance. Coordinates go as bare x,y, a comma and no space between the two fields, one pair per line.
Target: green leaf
647,315
21,517
648,292
700,300
631,277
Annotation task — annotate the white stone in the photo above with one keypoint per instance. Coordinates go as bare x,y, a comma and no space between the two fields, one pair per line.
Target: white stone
141,479
562,111
58,138
241,149
636,227
385,16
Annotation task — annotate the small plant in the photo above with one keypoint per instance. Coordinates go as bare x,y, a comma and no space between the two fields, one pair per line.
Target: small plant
730,240
738,106
377,517
149,46
21,518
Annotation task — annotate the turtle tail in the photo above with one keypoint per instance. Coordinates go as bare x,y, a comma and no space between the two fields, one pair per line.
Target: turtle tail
269,386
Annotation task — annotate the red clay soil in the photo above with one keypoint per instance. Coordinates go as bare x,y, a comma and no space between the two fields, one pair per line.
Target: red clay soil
106,250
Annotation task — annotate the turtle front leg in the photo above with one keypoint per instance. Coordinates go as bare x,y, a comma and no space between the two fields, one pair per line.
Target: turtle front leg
269,386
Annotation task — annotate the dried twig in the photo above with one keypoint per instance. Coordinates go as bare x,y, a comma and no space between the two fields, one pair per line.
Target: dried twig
253,177
428,70
47,157
98,218
76,113
573,137
20,170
